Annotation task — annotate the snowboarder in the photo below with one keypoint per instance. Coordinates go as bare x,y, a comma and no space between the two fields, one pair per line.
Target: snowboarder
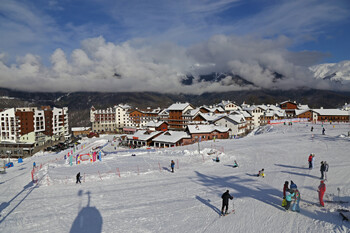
310,161
323,131
78,178
225,196
312,128
322,170
321,190
172,164
235,164
289,199
261,173
285,189
295,206
326,169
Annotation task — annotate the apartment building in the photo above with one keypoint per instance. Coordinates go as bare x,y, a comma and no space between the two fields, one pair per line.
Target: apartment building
29,127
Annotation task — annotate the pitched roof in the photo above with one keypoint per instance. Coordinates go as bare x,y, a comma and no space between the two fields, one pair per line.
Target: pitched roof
155,124
206,128
143,135
171,136
331,112
178,106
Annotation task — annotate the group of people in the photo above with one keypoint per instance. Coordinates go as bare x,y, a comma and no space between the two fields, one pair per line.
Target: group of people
294,195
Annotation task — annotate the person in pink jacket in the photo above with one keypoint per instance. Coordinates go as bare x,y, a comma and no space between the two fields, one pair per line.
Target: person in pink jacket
321,190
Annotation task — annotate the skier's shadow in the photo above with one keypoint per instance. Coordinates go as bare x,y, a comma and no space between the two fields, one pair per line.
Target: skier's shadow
207,203
89,219
166,169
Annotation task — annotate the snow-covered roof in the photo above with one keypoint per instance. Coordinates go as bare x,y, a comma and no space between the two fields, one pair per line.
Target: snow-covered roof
303,107
237,118
143,135
178,106
301,111
244,113
210,116
164,112
154,124
206,128
192,112
331,112
279,113
74,129
171,136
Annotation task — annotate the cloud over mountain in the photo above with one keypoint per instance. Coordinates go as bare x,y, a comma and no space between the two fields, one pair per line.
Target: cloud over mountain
139,65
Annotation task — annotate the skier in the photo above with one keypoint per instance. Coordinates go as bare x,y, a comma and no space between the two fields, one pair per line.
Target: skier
289,199
295,206
322,170
78,178
285,189
310,161
172,166
217,159
261,173
326,169
323,131
293,186
225,196
34,165
312,128
321,190
235,164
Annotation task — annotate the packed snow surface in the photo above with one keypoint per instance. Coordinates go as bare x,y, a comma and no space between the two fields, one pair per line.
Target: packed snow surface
125,193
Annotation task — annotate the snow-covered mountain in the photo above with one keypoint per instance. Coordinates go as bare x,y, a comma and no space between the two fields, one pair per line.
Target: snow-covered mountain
333,71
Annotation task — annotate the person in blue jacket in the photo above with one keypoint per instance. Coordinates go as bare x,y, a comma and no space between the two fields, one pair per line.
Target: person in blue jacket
289,199
172,165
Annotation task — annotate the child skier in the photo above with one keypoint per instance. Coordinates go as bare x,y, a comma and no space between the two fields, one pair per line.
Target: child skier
293,186
321,190
295,206
172,164
261,173
225,199
235,164
289,199
285,189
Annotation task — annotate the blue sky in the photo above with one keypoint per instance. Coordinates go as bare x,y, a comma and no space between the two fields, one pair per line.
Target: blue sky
38,29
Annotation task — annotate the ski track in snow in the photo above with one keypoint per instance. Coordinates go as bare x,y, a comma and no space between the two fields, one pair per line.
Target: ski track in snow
149,198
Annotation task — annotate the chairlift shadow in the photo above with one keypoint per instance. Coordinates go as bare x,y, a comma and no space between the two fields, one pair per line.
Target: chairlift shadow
89,219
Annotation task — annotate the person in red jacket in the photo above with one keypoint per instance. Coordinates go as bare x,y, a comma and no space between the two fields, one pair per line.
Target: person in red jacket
321,190
310,161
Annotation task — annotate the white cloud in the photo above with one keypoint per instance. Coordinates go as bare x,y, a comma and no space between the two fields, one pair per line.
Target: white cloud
138,66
